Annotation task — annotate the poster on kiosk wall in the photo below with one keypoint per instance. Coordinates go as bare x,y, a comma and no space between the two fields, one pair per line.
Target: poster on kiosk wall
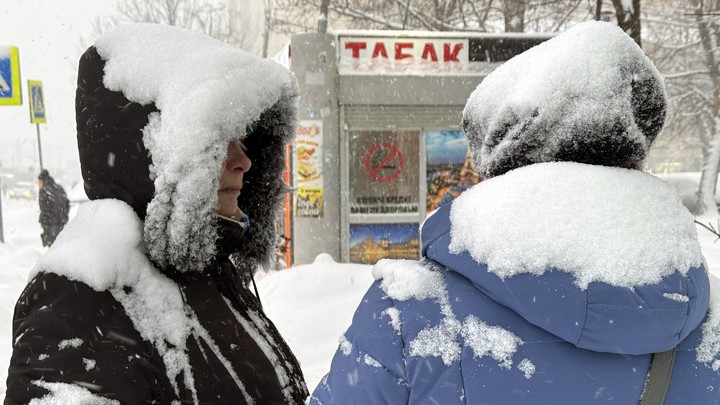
384,178
449,167
307,153
372,242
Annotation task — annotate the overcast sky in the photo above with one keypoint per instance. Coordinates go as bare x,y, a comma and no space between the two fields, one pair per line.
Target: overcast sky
51,36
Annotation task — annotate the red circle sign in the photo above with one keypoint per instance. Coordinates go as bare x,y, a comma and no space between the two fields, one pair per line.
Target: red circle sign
384,162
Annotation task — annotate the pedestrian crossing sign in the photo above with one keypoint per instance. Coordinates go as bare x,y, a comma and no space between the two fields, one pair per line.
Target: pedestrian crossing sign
37,102
10,92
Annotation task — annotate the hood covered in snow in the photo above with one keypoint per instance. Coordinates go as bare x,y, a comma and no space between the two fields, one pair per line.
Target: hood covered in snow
588,95
604,258
156,108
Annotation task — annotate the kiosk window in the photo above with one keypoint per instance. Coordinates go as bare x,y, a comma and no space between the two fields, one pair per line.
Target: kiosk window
372,242
449,167
384,175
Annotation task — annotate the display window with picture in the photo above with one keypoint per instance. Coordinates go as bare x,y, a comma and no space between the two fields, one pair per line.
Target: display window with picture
384,176
449,169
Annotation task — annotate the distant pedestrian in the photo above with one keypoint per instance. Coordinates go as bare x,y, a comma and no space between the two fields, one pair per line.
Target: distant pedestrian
568,276
54,208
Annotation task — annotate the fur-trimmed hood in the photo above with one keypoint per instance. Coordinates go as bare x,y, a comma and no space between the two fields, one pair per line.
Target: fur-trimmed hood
156,108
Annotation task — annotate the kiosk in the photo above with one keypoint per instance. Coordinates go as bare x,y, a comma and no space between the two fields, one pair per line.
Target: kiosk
380,142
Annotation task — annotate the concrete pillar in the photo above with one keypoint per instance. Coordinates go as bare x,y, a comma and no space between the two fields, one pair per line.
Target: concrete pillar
314,63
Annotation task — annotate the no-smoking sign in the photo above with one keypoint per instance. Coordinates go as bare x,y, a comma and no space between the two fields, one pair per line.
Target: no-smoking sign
384,162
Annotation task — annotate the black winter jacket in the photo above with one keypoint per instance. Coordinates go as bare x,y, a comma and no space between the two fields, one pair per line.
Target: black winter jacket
65,331
54,204
113,315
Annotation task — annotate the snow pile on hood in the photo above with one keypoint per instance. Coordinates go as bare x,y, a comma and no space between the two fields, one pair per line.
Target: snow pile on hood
589,95
208,93
622,227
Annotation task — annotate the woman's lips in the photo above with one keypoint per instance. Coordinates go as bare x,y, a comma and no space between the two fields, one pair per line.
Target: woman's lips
230,190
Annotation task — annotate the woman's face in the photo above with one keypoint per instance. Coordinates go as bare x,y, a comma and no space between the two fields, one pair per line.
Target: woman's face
235,166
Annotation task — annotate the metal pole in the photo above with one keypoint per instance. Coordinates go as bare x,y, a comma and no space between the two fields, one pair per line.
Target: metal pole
39,146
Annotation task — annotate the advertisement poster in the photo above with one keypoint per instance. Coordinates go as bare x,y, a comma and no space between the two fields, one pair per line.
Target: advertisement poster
449,167
372,242
309,193
383,172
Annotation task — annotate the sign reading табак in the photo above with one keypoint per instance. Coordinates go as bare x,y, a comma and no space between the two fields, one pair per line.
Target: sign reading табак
371,55
429,54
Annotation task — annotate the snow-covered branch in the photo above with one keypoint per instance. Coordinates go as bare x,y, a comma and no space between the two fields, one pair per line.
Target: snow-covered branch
677,75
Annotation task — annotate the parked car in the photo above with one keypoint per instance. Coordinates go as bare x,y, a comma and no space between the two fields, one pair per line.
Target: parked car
22,189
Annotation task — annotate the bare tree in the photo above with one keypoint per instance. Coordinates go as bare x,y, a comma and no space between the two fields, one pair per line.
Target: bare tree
437,15
680,38
514,13
628,17
214,18
705,13
431,15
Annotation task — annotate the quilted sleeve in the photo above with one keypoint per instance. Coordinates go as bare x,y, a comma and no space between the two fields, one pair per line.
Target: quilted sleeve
369,365
72,343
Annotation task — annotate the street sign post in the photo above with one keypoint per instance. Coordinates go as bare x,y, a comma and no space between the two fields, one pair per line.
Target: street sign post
10,94
37,102
37,110
10,91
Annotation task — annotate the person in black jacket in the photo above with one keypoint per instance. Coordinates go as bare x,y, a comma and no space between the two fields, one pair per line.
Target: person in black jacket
54,207
143,298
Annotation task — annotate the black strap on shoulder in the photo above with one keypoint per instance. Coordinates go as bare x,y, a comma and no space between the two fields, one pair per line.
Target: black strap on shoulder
658,380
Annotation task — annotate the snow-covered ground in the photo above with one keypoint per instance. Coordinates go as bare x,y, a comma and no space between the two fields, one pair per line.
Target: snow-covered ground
311,305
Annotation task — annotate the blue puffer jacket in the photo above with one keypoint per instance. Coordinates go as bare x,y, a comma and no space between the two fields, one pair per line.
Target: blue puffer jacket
473,337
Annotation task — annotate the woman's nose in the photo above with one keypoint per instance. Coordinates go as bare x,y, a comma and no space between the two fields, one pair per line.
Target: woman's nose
237,159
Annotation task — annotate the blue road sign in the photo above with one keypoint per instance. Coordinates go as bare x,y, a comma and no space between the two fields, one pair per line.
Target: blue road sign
10,91
37,102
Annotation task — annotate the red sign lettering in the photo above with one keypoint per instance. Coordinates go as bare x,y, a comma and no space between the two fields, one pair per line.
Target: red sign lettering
449,56
429,50
356,47
380,50
407,55
399,46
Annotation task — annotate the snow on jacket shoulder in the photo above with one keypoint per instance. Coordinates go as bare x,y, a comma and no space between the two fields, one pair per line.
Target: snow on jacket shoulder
76,355
479,322
99,322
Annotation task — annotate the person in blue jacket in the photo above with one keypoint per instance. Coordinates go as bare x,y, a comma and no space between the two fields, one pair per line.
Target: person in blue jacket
568,276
